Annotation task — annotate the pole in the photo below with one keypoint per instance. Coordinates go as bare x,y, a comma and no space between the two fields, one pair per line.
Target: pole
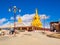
14,9
14,21
44,25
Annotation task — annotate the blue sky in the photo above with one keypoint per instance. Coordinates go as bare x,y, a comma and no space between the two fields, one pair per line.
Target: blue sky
49,8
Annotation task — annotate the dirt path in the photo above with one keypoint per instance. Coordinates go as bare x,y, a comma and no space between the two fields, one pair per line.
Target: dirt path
30,38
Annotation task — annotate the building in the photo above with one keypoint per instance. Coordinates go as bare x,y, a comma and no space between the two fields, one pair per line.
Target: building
55,26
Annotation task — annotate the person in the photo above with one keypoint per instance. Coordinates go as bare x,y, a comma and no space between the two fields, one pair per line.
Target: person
11,31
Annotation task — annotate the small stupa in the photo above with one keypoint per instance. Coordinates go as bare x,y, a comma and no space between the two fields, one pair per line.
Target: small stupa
19,20
36,20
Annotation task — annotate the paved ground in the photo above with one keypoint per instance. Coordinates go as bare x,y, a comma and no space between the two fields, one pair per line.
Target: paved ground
29,38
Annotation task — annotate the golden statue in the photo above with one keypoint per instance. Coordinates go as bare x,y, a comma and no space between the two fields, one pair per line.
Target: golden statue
36,20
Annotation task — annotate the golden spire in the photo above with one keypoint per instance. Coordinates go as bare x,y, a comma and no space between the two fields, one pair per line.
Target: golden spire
36,20
36,11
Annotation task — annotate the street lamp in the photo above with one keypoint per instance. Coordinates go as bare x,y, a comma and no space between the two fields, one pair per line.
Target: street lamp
14,9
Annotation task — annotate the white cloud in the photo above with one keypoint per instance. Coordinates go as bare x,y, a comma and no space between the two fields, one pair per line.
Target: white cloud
8,23
27,19
2,20
44,16
47,26
12,18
